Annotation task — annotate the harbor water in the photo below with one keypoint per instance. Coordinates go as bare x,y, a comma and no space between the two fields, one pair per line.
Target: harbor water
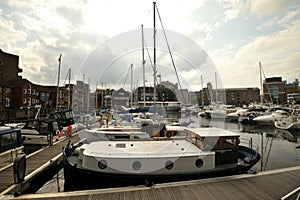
278,148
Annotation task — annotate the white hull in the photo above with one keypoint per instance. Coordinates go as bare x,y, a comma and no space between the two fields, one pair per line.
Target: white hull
266,120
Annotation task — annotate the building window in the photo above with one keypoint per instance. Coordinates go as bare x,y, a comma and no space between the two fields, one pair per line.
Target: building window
33,92
25,91
24,101
29,101
6,102
7,90
29,89
33,101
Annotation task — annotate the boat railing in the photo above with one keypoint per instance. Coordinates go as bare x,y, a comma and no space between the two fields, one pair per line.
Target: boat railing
249,143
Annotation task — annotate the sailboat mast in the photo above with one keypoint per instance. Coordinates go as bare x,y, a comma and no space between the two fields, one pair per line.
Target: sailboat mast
69,92
202,91
261,85
58,77
216,87
131,99
154,53
143,56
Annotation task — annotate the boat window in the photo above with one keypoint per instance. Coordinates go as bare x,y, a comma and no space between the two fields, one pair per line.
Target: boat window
136,165
102,164
8,139
199,163
169,165
43,127
210,143
230,142
120,145
121,137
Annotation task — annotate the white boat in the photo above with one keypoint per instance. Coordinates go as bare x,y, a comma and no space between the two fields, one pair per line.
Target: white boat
269,119
40,131
11,145
174,153
235,115
113,133
288,120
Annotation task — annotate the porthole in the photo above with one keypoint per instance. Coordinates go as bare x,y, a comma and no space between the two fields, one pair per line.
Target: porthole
102,164
199,163
136,165
169,165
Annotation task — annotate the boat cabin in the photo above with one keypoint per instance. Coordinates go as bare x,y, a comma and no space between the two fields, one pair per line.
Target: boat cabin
39,131
63,117
11,144
224,143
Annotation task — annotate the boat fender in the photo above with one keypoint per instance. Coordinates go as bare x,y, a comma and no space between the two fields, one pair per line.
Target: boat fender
69,131
19,168
247,160
169,134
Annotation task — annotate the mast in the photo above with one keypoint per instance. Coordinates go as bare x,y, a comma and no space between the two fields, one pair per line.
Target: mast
143,56
96,98
261,85
216,88
69,92
58,77
83,93
88,95
131,98
202,90
154,53
102,96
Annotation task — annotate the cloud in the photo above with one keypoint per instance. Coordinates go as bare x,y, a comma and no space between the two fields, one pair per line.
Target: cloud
278,52
265,8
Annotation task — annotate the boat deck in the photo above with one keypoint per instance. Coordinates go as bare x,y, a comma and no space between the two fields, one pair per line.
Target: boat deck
275,184
34,161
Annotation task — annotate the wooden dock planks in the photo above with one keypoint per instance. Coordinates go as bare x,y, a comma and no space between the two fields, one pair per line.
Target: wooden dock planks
265,185
34,161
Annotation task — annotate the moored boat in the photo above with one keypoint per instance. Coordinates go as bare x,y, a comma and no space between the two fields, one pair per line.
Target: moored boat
288,120
173,154
39,131
11,145
269,118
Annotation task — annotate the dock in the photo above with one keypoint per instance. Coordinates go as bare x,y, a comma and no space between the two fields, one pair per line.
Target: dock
36,164
274,184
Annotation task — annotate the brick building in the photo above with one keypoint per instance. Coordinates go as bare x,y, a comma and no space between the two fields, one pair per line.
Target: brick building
20,97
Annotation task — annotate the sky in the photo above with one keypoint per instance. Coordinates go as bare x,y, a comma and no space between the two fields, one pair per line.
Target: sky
197,41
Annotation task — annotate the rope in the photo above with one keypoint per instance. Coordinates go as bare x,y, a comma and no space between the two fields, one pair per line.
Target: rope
173,63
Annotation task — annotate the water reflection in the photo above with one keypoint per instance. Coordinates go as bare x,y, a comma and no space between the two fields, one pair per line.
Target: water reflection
289,135
278,148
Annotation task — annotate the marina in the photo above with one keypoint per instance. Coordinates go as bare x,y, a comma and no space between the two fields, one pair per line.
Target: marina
280,160
168,138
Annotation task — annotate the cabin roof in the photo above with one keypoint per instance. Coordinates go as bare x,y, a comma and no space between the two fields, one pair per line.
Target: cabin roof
116,129
213,132
4,130
142,149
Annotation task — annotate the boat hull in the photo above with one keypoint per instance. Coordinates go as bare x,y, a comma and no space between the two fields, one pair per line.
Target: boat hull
77,178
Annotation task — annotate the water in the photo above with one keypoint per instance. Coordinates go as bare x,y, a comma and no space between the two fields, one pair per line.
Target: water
276,147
